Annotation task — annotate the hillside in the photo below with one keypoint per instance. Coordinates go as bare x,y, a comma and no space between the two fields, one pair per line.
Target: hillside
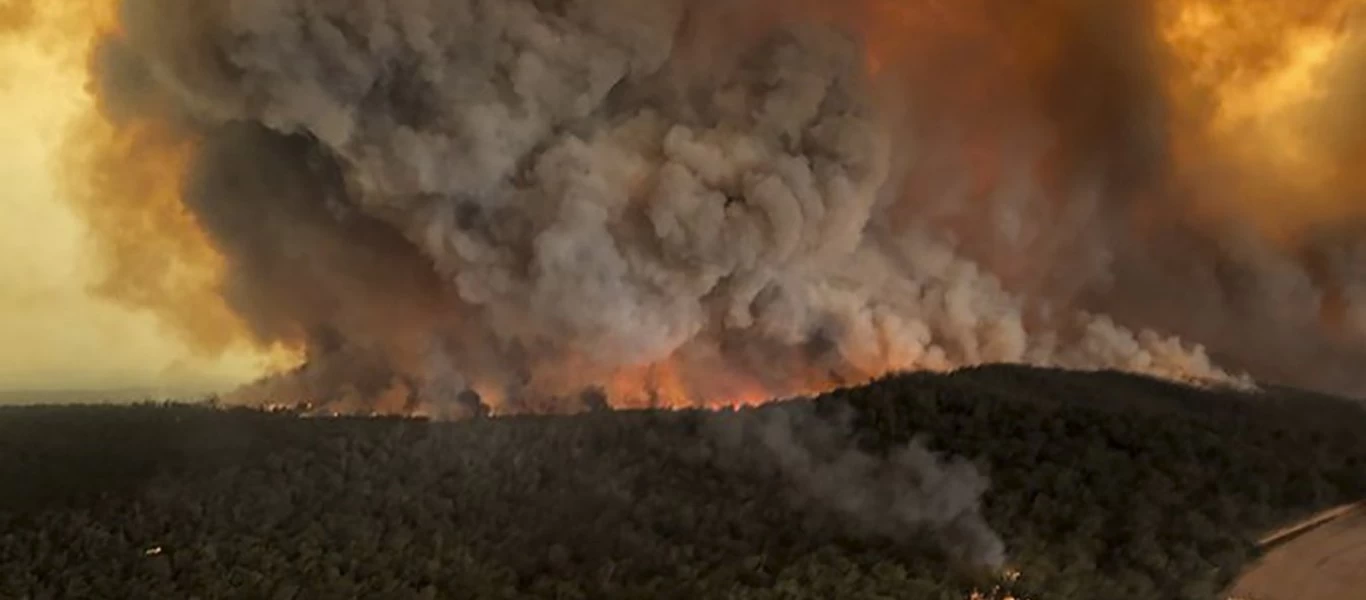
1102,485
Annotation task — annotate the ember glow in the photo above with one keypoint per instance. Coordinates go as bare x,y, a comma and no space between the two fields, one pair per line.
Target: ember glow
688,202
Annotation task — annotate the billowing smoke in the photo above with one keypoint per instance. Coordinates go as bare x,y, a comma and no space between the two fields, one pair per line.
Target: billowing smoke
456,206
900,496
685,201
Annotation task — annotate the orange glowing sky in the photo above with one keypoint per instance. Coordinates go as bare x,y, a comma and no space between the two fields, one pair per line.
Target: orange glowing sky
54,332
1250,75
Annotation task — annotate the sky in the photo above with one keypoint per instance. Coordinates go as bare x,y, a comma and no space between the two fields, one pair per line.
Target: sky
54,334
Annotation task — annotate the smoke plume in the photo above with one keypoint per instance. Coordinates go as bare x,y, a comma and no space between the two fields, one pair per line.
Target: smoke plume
686,202
898,496
456,206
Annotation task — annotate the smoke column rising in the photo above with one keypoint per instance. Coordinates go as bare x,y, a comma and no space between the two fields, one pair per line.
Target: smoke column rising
54,334
903,495
541,197
688,202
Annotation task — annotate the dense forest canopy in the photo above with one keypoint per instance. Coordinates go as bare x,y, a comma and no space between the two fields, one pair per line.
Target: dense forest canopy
1102,485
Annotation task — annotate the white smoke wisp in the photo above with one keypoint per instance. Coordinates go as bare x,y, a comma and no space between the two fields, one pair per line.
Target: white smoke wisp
583,190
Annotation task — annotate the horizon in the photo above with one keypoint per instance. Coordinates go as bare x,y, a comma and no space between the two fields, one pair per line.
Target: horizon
102,395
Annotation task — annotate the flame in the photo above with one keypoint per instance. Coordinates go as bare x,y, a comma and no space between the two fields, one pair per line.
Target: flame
1253,89
682,382
691,378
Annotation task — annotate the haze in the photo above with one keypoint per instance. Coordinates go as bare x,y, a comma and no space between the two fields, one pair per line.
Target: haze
54,335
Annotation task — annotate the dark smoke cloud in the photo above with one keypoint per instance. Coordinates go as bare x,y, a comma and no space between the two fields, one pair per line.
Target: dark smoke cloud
540,194
533,198
1096,186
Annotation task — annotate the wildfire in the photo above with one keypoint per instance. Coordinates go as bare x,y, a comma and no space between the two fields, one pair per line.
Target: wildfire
678,384
1250,90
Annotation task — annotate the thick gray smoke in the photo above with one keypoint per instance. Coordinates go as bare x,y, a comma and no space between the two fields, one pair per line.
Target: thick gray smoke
536,197
539,194
902,495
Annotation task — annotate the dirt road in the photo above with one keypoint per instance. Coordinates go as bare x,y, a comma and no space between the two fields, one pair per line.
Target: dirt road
1327,562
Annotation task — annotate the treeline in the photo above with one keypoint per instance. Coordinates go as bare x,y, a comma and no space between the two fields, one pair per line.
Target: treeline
1109,485
1102,486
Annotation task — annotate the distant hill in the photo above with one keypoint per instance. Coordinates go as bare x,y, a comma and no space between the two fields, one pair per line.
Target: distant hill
1102,485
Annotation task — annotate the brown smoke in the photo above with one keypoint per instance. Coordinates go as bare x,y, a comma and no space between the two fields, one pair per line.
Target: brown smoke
681,201
1183,165
154,255
454,206
16,16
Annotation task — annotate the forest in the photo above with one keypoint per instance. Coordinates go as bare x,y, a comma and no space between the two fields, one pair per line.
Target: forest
1096,485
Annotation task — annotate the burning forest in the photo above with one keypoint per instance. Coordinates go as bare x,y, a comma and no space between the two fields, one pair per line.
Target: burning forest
549,205
463,208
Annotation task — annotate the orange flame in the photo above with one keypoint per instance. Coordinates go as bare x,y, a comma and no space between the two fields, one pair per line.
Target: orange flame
1254,87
